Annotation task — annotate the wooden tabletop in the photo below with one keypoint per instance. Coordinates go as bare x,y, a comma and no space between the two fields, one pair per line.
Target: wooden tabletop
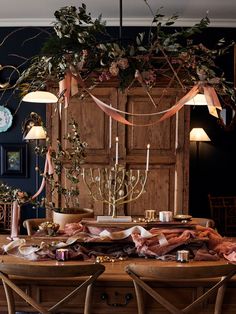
114,270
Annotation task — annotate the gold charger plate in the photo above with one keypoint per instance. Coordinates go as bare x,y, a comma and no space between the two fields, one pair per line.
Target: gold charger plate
182,217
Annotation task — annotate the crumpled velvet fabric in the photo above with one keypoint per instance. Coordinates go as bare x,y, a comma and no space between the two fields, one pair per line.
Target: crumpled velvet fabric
204,244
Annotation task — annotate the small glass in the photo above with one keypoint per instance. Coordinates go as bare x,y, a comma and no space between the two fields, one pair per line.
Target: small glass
183,256
150,214
62,254
165,216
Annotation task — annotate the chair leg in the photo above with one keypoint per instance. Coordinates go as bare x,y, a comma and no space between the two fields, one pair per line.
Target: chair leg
219,299
156,296
88,299
10,298
207,294
22,294
83,285
139,298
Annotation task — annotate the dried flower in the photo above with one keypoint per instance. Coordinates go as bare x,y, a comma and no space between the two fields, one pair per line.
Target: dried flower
123,63
114,70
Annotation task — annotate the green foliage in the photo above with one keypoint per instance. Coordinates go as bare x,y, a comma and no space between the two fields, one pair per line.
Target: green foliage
10,194
82,46
66,161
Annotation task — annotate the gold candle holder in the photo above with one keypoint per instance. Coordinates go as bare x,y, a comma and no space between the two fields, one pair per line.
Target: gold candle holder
62,254
115,186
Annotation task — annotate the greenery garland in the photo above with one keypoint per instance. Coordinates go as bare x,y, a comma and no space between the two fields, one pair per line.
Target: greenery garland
83,47
10,194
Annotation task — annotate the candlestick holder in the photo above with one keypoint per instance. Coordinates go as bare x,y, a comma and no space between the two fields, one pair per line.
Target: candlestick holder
115,186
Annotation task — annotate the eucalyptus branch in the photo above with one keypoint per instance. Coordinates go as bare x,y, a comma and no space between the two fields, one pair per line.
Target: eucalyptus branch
10,34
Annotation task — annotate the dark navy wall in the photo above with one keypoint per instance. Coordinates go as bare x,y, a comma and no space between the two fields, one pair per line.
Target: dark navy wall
15,51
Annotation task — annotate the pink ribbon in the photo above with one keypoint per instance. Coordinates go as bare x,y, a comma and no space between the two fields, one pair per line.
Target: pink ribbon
170,112
48,168
193,92
69,86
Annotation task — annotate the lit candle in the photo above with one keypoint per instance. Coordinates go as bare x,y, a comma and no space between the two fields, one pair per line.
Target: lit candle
117,147
147,161
175,192
177,130
62,254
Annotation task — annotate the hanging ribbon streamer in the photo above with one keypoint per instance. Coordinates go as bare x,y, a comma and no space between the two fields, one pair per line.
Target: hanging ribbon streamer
69,86
112,113
168,113
64,86
48,169
98,101
212,99
193,92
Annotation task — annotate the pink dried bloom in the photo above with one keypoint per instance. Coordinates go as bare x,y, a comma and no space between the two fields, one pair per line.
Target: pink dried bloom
149,77
203,48
104,76
84,53
123,63
215,80
114,70
184,56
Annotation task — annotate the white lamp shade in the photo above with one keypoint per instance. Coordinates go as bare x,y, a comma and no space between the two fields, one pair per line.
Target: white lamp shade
36,133
198,100
199,135
40,97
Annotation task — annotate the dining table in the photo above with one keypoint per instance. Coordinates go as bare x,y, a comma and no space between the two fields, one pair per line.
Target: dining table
113,291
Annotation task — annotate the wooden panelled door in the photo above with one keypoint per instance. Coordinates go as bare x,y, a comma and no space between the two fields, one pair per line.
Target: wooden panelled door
167,185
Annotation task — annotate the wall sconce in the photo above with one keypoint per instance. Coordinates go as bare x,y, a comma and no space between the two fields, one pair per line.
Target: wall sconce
40,97
198,135
36,133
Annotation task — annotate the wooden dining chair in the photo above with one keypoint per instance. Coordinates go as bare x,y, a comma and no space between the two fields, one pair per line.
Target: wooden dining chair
89,272
5,217
205,222
32,224
173,271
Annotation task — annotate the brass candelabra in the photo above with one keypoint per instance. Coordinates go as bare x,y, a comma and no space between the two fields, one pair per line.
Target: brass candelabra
115,186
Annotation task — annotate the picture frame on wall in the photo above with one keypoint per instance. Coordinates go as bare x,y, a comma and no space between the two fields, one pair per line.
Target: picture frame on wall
13,160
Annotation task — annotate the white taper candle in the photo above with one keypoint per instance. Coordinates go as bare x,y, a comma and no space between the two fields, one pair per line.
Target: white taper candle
148,154
117,150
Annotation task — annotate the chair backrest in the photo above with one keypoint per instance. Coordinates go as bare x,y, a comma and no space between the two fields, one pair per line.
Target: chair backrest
170,271
182,271
205,222
32,224
55,270
88,272
5,217
223,212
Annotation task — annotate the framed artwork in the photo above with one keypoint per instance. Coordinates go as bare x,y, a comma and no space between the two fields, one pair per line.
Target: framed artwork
13,160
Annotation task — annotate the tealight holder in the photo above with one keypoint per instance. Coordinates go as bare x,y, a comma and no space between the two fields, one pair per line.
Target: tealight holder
150,214
165,216
62,254
183,256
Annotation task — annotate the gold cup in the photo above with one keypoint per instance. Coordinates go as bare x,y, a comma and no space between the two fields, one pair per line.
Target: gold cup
150,214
